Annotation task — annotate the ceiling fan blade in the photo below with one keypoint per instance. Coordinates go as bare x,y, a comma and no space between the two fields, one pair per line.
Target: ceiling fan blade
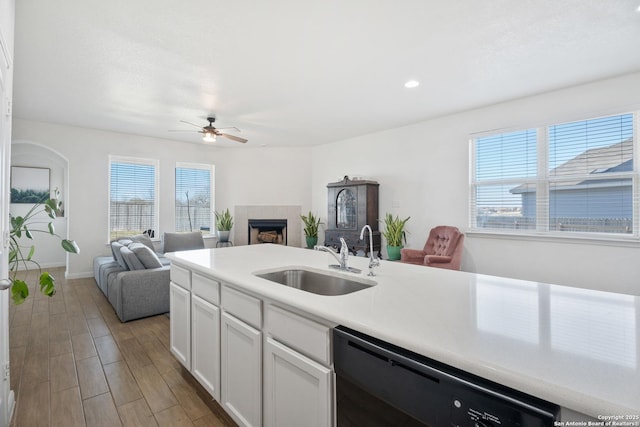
182,130
189,123
230,127
233,138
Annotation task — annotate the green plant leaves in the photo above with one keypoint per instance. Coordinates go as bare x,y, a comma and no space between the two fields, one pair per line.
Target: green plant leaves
224,220
19,291
19,259
394,230
70,246
50,207
47,284
311,224
16,225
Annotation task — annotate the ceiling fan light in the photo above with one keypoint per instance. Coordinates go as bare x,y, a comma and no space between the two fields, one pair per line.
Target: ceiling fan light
209,137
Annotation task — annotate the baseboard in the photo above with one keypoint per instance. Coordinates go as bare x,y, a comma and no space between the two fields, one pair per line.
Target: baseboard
81,275
43,266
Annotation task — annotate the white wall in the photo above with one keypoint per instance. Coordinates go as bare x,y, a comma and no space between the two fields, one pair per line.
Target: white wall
243,175
264,176
423,171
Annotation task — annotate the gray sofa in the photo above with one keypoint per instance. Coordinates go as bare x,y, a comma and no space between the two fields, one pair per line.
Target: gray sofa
135,279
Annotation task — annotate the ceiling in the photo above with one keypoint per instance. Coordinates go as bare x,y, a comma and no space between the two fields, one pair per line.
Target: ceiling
300,73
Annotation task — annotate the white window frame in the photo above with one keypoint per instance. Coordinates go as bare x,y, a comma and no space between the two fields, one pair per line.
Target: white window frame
141,161
212,204
543,181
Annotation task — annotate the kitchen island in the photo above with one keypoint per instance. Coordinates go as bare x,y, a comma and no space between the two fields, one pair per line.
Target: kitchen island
573,347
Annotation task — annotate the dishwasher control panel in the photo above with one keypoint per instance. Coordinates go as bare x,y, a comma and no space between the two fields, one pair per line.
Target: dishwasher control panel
478,411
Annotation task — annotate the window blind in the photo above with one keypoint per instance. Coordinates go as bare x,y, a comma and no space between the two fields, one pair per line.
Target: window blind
504,181
590,175
193,197
132,197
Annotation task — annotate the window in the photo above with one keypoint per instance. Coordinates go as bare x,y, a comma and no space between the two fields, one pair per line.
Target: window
194,189
569,177
133,204
505,166
590,175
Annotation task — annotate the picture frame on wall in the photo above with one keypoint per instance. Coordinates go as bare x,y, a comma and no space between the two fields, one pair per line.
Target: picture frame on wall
30,184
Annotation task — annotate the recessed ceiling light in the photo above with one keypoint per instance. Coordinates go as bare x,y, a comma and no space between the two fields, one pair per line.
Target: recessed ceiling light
411,84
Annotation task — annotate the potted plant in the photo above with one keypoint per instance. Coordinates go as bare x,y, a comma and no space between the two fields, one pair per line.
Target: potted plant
21,256
224,222
395,235
311,224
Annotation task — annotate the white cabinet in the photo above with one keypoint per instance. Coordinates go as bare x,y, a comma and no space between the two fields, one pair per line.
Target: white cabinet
241,366
180,324
297,390
298,379
205,344
218,333
195,326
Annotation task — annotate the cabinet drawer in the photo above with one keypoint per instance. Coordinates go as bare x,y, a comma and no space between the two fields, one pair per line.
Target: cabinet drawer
306,336
242,306
181,276
206,288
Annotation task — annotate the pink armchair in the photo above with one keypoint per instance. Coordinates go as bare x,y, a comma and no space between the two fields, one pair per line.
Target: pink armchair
443,249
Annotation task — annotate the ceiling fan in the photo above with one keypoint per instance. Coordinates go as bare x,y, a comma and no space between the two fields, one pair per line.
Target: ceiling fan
209,132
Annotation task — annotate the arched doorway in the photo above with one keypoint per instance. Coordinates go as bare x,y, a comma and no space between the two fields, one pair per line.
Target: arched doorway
27,154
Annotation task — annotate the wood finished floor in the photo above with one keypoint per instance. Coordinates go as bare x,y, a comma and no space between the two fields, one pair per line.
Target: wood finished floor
73,363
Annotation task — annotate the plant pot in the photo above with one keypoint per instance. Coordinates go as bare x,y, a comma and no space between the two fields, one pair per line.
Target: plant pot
223,236
311,241
393,252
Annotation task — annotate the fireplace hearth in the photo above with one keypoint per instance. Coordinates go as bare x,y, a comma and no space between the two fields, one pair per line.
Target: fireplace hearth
267,231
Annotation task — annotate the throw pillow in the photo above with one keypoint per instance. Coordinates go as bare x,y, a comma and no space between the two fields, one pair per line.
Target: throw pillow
125,241
115,248
131,259
144,239
147,257
115,251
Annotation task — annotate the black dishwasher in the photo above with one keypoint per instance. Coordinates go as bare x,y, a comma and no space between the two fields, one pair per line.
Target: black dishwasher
379,384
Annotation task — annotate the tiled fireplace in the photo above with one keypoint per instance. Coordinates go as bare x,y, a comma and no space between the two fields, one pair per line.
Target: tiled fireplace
283,220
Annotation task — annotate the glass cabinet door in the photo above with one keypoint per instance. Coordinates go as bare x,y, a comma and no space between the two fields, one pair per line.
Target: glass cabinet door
346,209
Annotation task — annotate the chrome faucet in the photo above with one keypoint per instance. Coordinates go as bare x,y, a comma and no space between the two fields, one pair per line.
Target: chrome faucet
342,256
373,262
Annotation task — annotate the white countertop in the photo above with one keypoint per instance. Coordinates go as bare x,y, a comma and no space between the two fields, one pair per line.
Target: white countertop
574,347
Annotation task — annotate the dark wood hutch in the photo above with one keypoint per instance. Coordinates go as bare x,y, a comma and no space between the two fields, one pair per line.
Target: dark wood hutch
352,204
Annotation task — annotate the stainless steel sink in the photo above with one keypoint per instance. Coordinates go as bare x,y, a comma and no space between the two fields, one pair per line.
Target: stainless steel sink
316,282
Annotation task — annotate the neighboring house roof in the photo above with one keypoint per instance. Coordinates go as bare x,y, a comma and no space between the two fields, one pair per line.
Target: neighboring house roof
616,157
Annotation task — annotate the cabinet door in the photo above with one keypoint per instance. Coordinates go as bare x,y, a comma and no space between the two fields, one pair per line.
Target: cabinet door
180,324
297,390
241,371
205,344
